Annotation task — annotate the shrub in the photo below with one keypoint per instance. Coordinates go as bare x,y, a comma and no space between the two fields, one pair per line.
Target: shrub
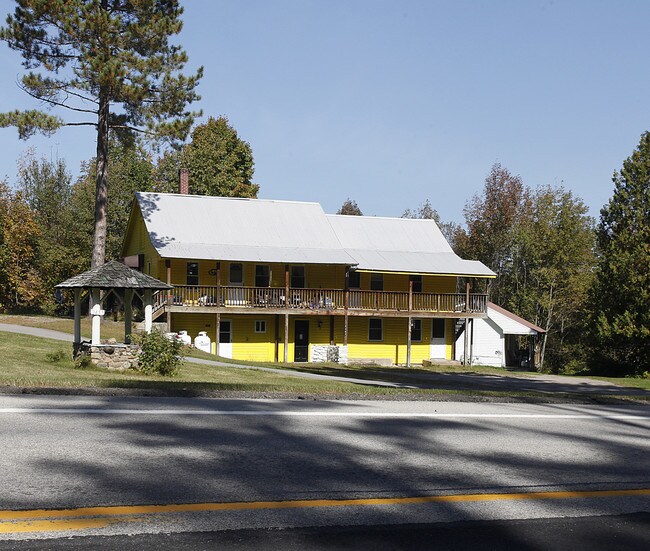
159,354
57,356
83,362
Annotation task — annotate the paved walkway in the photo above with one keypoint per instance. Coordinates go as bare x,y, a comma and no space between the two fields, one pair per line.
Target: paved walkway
421,379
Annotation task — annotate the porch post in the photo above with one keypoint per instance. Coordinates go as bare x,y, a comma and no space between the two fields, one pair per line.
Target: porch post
217,336
170,294
286,338
128,315
218,284
332,340
410,326
346,306
77,320
277,338
286,314
466,331
471,342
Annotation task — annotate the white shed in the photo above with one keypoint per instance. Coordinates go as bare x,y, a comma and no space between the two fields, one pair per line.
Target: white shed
496,340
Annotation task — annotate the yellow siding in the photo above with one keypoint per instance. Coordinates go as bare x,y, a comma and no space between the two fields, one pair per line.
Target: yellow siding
260,347
137,242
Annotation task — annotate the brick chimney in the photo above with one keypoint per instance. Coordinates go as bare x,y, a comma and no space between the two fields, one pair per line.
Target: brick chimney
184,181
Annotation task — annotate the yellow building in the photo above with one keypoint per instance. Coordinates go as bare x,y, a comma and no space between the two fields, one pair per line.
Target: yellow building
283,281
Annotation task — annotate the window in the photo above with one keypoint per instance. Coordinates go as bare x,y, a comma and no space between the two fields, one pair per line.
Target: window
236,274
260,326
192,277
262,276
417,283
376,282
354,280
416,330
298,277
375,329
438,328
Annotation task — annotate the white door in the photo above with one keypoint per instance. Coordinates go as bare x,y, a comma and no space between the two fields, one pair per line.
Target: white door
225,339
438,339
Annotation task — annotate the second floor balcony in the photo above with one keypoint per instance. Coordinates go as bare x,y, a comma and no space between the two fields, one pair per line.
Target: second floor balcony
236,299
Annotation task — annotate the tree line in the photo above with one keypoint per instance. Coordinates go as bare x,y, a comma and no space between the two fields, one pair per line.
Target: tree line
586,283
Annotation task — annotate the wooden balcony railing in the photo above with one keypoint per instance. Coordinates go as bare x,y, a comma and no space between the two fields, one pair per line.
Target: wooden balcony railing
319,299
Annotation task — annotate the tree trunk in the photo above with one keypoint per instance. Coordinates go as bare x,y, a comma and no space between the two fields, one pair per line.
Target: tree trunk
101,184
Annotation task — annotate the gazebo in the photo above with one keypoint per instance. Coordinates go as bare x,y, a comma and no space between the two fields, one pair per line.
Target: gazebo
103,282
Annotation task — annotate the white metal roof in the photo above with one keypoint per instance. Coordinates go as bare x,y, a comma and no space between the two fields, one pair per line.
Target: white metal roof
401,245
224,228
510,323
258,230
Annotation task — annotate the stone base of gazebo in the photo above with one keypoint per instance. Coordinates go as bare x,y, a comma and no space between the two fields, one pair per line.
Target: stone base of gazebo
110,355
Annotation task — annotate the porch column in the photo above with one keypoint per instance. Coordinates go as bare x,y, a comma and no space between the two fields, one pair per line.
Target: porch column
148,310
77,319
466,358
217,336
410,326
96,313
277,338
128,315
471,342
286,314
170,294
346,306
286,338
332,339
218,284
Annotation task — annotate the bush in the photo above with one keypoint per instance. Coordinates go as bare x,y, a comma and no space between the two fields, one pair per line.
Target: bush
57,356
159,355
83,362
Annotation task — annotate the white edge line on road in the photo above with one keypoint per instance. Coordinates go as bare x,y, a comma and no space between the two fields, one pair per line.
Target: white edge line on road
274,413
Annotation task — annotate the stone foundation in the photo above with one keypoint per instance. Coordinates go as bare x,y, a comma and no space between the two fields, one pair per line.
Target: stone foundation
111,355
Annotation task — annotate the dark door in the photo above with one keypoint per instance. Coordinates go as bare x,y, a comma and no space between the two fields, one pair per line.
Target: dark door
301,340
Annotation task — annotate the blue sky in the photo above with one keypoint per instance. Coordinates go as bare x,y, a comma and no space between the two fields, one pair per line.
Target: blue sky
394,102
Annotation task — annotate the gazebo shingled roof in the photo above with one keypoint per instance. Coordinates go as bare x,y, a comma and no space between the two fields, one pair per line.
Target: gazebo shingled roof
113,275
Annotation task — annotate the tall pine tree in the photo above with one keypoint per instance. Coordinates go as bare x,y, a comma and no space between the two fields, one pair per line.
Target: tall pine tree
620,297
109,61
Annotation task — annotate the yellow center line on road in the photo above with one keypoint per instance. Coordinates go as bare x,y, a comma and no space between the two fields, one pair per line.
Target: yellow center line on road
8,518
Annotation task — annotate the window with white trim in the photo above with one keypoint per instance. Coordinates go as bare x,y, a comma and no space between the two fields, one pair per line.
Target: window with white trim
260,326
375,329
376,282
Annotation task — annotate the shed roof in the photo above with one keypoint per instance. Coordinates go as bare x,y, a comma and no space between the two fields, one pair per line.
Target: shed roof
113,275
527,327
401,245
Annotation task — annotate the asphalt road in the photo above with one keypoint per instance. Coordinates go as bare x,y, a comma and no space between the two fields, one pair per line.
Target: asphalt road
108,467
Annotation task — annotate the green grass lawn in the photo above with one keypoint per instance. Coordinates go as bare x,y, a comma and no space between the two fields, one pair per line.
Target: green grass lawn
25,364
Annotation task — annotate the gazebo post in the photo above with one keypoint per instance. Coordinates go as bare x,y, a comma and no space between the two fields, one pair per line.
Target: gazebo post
148,310
77,319
128,315
97,314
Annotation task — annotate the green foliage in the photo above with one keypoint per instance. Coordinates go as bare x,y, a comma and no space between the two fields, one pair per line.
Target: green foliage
540,243
426,212
160,355
350,208
620,296
219,163
83,362
20,284
57,356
